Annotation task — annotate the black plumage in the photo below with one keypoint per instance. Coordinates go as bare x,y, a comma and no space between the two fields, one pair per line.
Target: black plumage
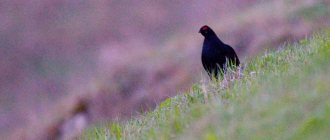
216,55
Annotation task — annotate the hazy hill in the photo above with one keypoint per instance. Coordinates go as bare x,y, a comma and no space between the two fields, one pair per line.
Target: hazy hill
124,57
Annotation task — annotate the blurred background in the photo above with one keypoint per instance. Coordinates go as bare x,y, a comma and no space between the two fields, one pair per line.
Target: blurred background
113,59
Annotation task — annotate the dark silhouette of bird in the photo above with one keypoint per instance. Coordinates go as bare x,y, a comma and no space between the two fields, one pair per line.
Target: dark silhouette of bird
216,55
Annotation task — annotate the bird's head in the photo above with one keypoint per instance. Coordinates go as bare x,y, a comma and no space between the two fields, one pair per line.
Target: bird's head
206,31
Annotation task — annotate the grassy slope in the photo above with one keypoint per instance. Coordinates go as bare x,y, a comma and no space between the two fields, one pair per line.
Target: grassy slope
284,94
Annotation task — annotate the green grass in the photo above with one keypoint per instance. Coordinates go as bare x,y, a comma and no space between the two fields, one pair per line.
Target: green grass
284,94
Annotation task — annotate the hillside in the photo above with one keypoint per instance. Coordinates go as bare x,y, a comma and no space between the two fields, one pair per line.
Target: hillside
116,59
283,94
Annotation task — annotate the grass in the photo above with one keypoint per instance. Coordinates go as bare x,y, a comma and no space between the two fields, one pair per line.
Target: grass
284,94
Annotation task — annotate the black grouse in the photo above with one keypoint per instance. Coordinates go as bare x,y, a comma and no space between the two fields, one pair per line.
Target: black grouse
216,55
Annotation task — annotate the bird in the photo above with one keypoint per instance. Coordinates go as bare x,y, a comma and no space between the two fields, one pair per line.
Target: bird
216,55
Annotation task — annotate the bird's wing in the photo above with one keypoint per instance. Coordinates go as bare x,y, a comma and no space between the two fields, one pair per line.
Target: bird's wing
231,54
